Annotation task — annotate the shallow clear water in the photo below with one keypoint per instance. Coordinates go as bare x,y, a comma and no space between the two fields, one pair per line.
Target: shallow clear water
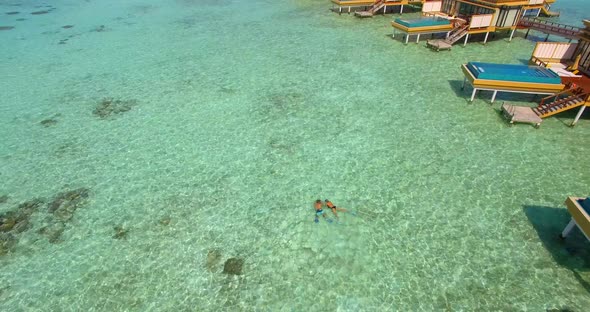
235,117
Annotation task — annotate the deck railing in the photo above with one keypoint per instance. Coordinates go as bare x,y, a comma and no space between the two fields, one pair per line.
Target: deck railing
577,91
552,27
537,61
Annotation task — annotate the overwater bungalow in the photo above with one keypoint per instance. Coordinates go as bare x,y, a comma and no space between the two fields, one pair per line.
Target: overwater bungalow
368,8
459,19
570,62
471,17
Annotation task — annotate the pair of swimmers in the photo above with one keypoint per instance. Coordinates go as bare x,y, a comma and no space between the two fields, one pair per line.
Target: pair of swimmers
319,211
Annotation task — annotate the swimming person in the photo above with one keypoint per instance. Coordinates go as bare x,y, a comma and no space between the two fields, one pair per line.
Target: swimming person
319,211
330,205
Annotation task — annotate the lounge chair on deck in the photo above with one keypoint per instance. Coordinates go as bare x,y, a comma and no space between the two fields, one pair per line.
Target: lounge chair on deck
579,208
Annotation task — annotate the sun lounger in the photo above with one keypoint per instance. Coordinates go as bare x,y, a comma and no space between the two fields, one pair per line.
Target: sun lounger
579,208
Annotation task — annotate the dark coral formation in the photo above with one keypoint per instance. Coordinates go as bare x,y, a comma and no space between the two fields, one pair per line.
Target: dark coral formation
165,220
12,13
213,258
62,209
21,19
67,26
6,27
120,232
53,232
48,122
65,204
16,221
109,106
7,243
40,12
233,266
100,28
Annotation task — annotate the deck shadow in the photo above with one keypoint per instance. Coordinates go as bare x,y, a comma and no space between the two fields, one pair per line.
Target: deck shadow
567,117
487,95
401,38
573,252
459,92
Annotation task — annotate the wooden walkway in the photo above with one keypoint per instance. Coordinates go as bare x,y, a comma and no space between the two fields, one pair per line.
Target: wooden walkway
562,30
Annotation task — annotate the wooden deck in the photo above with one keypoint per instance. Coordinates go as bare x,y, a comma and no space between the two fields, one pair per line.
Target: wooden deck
522,114
363,14
582,82
438,45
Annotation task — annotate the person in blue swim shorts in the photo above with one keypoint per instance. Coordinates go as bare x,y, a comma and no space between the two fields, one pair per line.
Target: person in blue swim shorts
320,212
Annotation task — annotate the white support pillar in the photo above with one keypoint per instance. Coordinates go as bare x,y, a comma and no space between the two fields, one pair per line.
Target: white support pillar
407,38
568,228
473,94
348,10
538,12
418,38
578,115
384,9
339,10
393,35
494,95
486,38
401,10
466,37
512,34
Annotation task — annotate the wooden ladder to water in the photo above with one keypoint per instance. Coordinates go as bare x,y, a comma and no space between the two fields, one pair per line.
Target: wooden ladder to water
574,98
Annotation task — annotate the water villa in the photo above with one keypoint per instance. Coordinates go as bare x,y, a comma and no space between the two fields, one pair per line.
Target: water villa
460,19
571,63
368,8
559,70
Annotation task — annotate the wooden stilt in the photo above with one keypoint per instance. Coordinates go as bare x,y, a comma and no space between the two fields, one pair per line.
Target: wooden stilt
401,10
384,9
348,10
494,95
473,94
486,38
418,38
407,38
579,115
466,37
526,35
547,38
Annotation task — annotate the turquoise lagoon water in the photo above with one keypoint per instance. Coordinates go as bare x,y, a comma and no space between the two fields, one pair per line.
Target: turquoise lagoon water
227,119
